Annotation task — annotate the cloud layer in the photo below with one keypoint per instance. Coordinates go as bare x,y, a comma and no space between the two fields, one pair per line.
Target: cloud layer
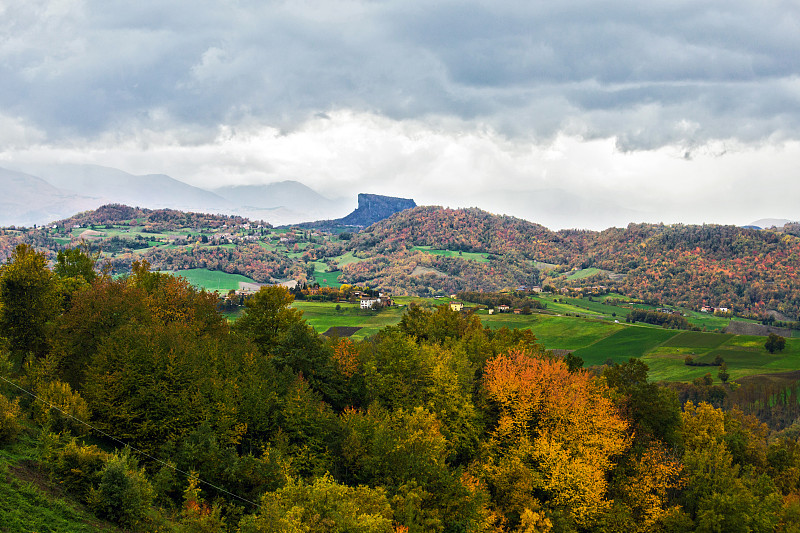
408,94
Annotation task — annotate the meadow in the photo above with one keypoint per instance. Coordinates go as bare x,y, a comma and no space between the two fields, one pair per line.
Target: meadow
213,280
472,256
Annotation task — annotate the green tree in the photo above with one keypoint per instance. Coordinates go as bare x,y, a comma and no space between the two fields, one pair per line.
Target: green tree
75,263
74,269
124,494
29,301
775,343
653,410
321,506
152,384
723,373
267,315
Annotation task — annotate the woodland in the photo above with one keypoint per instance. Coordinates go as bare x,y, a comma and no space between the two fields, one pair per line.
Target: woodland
146,406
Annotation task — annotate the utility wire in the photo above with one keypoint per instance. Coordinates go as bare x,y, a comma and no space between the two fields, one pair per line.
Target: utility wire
141,452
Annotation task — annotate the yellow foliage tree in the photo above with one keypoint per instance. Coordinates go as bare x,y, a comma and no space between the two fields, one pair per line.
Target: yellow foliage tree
556,437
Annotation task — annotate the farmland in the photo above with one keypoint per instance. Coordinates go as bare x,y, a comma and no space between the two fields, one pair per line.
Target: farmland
212,280
471,256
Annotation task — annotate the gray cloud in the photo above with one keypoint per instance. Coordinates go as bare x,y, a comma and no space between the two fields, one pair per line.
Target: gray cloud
635,71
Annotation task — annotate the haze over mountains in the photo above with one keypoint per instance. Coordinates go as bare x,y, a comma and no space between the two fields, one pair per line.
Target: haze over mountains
39,194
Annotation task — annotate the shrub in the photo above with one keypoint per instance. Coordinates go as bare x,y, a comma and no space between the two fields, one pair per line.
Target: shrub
198,516
124,494
9,419
76,466
60,408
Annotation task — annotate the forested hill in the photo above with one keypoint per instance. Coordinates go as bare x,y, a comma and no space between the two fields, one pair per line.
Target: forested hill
746,270
159,219
467,230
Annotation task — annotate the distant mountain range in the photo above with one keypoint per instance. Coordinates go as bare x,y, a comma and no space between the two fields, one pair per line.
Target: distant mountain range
765,223
39,194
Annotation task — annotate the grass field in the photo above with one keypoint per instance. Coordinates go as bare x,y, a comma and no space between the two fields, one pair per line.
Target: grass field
631,341
595,341
346,259
472,256
555,332
212,280
699,340
326,279
323,315
585,273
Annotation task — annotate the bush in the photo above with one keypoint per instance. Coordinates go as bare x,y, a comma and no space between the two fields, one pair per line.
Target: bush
9,419
67,408
76,466
124,494
198,516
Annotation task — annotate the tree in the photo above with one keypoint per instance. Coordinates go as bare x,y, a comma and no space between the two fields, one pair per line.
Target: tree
775,343
29,301
321,506
555,440
653,410
267,314
75,263
723,373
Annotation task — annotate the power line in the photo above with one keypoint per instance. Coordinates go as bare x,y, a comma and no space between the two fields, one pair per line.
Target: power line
115,439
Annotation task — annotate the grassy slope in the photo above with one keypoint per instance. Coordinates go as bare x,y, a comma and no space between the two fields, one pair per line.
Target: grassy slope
472,256
323,315
555,332
213,280
29,502
326,279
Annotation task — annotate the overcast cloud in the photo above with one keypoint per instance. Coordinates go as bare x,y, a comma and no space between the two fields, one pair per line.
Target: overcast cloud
653,111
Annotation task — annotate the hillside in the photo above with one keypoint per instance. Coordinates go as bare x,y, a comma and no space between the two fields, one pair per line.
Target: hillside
433,250
746,270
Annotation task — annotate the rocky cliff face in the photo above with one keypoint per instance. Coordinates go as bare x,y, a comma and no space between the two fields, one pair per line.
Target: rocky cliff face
373,208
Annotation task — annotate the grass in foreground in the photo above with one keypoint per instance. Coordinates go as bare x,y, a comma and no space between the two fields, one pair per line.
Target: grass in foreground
30,502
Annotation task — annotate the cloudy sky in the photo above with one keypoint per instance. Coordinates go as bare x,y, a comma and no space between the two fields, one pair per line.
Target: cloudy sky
571,113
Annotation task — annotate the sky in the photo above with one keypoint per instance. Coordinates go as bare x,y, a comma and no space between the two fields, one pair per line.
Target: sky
573,114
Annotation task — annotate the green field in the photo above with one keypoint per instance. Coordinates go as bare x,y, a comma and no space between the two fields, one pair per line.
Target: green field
585,273
555,332
472,256
696,339
323,315
346,259
595,341
212,280
326,279
631,341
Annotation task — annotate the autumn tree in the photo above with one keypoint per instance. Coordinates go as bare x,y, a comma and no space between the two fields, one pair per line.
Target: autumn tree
555,441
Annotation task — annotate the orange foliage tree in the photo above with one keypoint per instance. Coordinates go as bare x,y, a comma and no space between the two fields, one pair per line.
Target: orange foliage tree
554,442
